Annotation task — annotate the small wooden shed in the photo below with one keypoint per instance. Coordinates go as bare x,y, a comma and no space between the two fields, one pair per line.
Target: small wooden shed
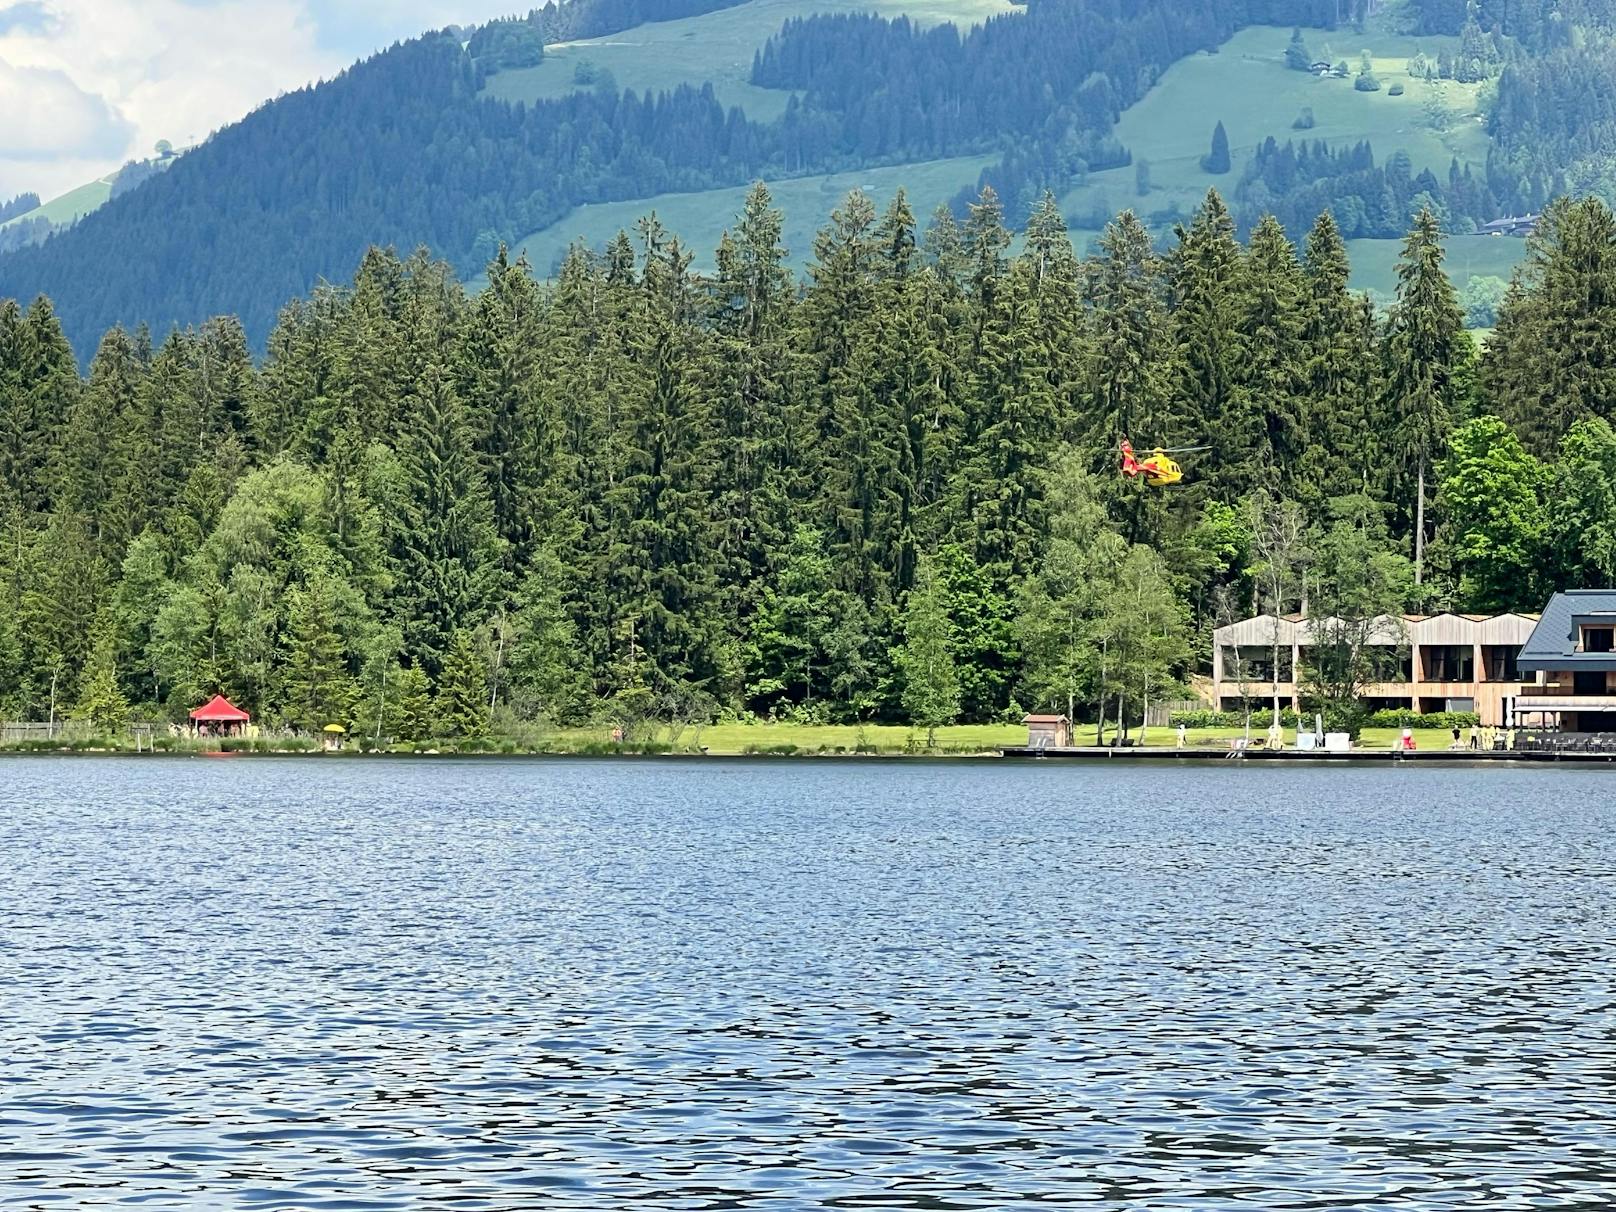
1048,732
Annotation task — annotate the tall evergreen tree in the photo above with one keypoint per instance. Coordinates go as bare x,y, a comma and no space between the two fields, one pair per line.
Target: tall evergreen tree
930,683
1427,351
444,546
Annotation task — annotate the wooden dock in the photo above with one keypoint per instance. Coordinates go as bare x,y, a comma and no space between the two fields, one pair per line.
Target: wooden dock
1383,757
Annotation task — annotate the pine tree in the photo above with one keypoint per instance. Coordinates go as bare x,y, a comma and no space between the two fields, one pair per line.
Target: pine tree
444,547
460,710
1427,349
931,691
101,699
1272,363
1339,340
318,686
1217,160
1205,274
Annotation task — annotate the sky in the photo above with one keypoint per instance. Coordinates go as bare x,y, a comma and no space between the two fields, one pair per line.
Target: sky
88,84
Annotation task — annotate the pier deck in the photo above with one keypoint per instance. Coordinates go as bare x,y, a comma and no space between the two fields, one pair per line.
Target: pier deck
1382,756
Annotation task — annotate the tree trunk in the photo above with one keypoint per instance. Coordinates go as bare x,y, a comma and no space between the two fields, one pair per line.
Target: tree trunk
1099,727
1419,527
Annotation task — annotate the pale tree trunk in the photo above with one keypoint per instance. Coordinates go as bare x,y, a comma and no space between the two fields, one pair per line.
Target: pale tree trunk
1419,527
1099,728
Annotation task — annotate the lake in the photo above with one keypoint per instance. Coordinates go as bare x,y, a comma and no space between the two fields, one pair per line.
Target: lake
569,984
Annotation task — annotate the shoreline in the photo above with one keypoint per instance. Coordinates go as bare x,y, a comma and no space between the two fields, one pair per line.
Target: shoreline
1014,755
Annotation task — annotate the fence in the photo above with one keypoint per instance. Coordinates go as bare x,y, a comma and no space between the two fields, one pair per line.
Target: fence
15,731
1159,715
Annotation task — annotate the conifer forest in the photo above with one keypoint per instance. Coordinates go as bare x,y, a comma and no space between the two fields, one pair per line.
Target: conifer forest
885,490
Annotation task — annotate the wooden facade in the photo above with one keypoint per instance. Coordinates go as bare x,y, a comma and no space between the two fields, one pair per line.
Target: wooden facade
1048,731
1429,663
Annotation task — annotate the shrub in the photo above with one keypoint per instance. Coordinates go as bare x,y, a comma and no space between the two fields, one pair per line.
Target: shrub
1305,120
1233,719
1366,83
1404,718
1395,90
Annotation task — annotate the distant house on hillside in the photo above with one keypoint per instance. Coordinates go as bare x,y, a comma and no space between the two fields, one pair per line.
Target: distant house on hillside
1512,225
1321,68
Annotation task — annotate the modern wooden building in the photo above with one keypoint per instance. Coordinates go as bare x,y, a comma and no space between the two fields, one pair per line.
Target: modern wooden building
1424,663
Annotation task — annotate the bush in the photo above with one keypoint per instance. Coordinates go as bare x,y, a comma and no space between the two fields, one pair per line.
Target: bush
1305,120
1232,719
1395,90
1366,83
1404,718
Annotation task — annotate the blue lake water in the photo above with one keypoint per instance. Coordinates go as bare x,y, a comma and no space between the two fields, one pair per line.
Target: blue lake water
498,985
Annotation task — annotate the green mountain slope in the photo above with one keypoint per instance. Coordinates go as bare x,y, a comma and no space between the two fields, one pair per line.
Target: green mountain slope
715,48
1245,84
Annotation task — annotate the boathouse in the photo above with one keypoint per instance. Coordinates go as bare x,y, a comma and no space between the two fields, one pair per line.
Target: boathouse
219,717
1048,731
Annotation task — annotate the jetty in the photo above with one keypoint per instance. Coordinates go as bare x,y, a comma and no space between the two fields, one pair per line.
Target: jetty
1381,757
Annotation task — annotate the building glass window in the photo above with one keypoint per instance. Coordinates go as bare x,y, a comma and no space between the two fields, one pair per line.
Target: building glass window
1450,663
1254,664
1588,683
1501,663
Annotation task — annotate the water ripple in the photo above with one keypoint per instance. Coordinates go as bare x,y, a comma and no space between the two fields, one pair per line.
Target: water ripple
582,985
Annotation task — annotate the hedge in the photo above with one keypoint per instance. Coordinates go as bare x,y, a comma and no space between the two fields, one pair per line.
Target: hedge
1394,718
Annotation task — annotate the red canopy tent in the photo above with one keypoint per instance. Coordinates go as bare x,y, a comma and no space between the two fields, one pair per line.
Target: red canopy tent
219,714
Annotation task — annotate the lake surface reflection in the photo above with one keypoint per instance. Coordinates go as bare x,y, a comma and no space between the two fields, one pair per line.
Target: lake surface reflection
365,985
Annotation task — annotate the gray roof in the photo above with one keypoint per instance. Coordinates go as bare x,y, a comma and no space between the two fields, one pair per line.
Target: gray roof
1553,642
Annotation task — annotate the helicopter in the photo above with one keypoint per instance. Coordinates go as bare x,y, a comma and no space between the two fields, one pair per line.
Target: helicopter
1158,470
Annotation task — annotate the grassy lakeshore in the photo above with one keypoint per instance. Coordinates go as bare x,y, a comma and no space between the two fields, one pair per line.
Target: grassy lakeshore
715,740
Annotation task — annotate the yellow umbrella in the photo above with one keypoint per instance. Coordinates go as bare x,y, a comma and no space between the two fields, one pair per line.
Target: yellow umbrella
335,728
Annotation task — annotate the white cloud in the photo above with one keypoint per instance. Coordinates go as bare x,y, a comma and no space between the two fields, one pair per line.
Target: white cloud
48,117
88,84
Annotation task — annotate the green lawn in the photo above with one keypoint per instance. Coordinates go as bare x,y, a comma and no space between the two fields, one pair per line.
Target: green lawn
74,204
715,47
1374,262
700,218
1247,87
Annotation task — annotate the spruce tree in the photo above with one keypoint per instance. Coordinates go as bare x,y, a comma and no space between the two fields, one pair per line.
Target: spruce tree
1551,360
460,710
1426,349
444,548
1217,160
1339,344
1205,275
1126,391
101,700
1270,403
931,691
318,687
754,482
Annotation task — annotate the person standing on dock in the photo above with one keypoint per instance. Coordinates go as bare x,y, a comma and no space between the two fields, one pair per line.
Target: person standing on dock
1475,736
1181,734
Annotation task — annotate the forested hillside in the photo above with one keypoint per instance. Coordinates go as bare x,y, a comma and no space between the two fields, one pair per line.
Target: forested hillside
406,149
886,491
